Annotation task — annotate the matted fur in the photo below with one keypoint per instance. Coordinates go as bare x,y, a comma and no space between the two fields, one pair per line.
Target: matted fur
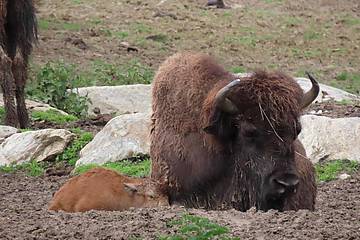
200,169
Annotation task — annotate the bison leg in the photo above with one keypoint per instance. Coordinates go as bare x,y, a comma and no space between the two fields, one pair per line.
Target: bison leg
8,89
217,3
20,76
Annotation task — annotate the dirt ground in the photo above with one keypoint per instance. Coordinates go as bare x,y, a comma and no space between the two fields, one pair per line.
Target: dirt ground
320,36
24,215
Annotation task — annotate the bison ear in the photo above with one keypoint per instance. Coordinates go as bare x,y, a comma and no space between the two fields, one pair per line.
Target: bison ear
130,187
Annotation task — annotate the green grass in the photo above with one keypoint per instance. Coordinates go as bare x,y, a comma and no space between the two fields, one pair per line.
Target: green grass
52,116
2,115
238,69
197,228
46,24
348,81
330,170
31,168
137,169
71,153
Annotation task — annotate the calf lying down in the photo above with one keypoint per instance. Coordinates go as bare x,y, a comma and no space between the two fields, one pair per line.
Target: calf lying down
103,189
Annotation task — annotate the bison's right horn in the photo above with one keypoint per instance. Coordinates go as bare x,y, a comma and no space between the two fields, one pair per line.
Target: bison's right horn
224,103
311,95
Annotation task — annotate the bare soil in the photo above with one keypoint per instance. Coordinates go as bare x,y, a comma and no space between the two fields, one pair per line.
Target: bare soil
24,215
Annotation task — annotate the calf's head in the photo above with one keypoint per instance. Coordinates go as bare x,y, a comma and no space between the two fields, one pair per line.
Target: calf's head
255,122
146,194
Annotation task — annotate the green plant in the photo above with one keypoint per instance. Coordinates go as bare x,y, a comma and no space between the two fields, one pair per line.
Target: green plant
330,170
348,81
130,73
2,115
53,85
32,168
137,169
52,116
71,153
238,69
197,228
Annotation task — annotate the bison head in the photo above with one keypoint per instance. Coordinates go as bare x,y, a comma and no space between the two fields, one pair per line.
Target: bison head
255,122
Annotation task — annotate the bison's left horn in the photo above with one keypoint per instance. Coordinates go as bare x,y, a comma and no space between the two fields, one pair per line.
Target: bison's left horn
311,95
224,103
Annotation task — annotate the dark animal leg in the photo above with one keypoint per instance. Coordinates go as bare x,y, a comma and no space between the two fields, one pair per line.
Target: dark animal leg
20,75
8,89
217,3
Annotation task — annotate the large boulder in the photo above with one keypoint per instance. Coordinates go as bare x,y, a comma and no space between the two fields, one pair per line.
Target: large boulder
118,100
122,137
136,98
34,145
6,131
35,106
327,138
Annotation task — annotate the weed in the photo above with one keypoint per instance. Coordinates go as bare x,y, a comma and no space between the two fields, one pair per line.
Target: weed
2,115
351,21
121,34
238,69
311,35
71,153
53,84
131,73
138,169
330,170
46,24
141,28
52,116
197,228
348,81
32,168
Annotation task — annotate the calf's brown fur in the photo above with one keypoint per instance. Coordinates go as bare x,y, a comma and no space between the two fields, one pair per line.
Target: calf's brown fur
216,142
103,189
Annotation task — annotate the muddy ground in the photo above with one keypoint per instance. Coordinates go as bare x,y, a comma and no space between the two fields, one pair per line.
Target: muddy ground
24,215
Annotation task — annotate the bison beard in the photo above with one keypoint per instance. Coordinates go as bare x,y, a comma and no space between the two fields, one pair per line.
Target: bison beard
220,143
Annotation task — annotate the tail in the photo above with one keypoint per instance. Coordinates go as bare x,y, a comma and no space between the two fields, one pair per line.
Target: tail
21,27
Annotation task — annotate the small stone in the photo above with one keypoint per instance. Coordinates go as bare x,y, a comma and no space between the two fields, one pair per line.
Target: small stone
344,176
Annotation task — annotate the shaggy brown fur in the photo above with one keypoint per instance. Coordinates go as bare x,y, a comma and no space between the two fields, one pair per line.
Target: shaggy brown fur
18,31
226,165
103,189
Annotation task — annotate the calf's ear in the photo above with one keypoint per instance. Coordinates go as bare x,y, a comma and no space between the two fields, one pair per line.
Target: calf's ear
130,187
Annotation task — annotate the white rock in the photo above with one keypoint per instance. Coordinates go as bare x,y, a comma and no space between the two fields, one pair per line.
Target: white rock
118,99
35,106
124,136
34,145
344,176
6,131
330,138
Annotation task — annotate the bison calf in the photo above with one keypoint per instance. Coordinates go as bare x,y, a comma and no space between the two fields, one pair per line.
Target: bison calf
103,189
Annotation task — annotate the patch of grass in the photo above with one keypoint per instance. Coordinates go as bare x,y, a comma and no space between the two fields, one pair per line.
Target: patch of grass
131,73
32,168
348,81
351,21
51,85
46,24
291,21
121,34
142,28
52,116
2,115
311,34
71,153
238,69
137,169
330,170
197,228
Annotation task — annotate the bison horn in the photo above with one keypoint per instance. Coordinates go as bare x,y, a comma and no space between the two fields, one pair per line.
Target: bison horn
224,103
311,95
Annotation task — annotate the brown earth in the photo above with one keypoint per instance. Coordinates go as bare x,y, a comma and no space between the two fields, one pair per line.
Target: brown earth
24,215
319,36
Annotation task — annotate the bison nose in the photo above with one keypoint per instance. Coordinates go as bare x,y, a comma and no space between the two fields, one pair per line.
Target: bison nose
285,183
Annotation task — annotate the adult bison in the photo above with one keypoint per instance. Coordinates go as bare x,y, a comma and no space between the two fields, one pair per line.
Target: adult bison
218,141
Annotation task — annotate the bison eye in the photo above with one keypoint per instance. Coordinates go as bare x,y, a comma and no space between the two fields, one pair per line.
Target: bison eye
252,133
